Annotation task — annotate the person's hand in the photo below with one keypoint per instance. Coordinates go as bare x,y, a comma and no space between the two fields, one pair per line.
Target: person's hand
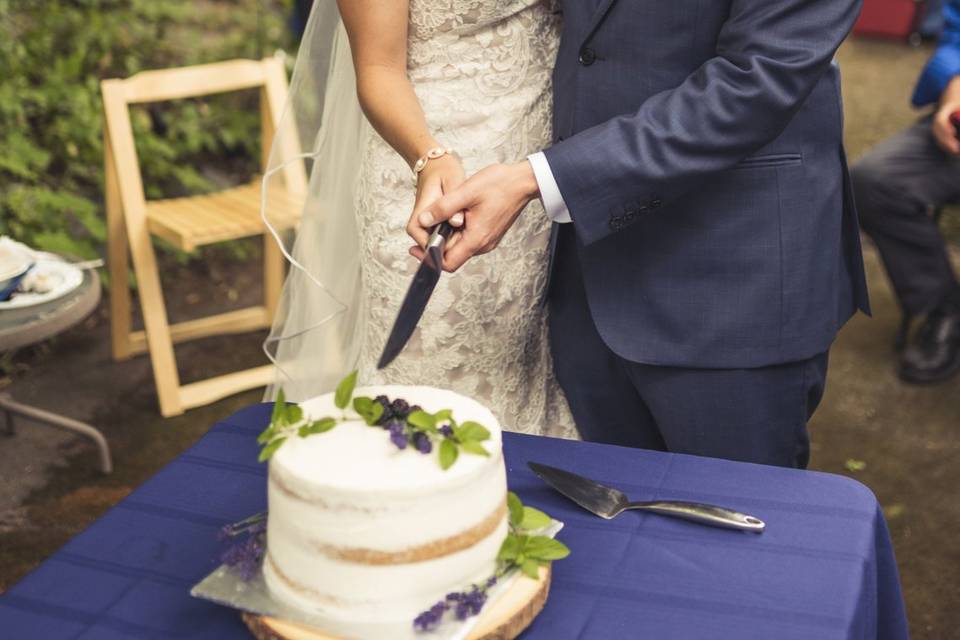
441,176
492,200
944,130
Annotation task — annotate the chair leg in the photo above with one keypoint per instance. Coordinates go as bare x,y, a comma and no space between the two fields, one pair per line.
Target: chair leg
11,407
273,271
119,265
156,326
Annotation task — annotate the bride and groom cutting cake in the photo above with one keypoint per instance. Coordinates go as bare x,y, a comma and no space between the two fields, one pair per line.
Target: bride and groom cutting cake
655,242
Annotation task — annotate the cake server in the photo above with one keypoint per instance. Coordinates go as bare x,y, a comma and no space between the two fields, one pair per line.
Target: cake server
418,295
608,502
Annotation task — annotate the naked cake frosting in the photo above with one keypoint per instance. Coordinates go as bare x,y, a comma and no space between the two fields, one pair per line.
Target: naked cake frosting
368,525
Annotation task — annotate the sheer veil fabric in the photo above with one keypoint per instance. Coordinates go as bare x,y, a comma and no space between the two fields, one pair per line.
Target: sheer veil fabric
482,72
317,334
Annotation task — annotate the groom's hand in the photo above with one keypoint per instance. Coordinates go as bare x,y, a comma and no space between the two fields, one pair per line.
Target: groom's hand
492,199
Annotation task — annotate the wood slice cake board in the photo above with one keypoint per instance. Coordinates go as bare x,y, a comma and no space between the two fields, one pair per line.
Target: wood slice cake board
506,618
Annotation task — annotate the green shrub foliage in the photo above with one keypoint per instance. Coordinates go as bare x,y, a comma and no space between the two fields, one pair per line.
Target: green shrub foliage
53,55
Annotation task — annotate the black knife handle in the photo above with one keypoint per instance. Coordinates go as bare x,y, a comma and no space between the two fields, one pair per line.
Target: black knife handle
437,244
443,230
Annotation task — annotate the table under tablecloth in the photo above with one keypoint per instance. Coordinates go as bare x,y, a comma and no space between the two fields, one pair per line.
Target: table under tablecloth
823,569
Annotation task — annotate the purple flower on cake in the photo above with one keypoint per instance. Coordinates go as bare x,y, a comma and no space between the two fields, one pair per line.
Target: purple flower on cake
447,431
421,442
245,556
468,603
400,408
464,604
430,619
398,435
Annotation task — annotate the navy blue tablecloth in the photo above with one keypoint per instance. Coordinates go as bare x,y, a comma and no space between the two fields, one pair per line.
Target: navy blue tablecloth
824,568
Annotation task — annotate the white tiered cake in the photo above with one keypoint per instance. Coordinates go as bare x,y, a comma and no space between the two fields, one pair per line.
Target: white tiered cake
359,529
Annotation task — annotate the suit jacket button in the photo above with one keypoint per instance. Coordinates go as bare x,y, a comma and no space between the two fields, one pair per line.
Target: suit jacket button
587,56
656,202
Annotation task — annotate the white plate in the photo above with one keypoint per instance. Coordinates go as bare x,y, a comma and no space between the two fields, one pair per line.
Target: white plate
64,278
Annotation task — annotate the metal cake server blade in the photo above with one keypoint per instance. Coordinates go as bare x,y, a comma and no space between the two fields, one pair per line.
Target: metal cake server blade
608,502
418,295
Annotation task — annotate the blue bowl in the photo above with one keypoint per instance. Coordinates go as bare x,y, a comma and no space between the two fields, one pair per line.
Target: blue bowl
9,285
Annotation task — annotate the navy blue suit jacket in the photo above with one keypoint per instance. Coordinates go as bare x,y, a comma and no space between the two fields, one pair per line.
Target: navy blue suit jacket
699,148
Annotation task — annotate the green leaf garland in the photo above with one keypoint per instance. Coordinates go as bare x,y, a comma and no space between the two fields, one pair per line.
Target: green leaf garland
424,430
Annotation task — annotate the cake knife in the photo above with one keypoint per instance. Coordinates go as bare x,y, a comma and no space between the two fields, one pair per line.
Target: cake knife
418,295
608,502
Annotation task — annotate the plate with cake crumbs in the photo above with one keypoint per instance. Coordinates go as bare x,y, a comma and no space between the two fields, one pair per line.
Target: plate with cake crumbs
48,280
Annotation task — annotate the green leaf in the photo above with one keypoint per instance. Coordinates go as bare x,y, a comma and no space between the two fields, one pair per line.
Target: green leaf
516,509
320,426
266,436
345,390
448,454
510,548
474,447
531,568
422,420
278,407
294,414
534,519
545,549
270,449
442,416
368,409
472,431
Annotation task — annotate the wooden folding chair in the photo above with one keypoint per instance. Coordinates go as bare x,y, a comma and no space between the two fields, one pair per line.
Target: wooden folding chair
189,223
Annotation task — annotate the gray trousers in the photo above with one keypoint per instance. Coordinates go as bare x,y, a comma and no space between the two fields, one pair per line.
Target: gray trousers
899,187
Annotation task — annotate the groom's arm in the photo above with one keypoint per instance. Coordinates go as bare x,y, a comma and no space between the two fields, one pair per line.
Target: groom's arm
770,55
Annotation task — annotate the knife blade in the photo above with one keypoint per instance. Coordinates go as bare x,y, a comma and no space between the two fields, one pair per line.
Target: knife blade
418,294
608,502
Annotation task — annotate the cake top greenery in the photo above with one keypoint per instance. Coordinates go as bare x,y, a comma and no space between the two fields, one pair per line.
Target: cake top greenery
408,426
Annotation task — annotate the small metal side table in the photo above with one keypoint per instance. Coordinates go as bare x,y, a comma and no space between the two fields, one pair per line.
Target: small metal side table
30,325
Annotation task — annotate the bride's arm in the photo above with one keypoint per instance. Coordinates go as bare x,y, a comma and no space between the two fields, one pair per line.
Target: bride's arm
378,39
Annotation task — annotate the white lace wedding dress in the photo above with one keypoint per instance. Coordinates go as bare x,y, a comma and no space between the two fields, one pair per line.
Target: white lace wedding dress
481,70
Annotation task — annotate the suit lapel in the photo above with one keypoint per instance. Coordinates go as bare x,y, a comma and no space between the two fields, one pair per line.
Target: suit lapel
603,7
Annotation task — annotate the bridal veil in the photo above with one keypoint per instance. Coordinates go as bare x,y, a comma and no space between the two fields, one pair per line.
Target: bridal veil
313,165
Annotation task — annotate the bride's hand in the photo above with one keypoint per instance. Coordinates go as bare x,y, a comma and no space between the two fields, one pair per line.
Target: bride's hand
441,176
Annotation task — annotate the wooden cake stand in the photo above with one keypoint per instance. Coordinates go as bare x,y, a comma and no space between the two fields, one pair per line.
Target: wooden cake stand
505,619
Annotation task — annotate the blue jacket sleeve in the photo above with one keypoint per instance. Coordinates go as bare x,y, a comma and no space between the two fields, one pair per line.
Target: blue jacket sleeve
769,57
945,63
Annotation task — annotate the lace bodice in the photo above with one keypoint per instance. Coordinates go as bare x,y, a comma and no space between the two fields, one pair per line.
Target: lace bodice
481,69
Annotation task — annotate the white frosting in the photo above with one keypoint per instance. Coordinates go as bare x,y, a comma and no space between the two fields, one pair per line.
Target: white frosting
351,488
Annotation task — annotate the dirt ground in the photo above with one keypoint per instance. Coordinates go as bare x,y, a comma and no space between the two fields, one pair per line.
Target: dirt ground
901,441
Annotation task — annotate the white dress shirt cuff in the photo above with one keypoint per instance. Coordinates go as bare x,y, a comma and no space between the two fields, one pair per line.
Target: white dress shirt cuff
550,194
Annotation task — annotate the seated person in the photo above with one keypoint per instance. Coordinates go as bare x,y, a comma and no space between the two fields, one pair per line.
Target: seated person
900,186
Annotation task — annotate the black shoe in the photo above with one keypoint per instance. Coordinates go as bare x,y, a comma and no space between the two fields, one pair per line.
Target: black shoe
934,353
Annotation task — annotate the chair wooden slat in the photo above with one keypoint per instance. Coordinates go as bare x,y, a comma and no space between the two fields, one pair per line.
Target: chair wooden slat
195,221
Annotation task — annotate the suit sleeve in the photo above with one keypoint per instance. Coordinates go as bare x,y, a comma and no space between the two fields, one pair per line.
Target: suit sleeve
945,63
769,57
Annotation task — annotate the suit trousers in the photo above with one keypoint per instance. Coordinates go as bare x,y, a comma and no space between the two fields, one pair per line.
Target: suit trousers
899,187
754,415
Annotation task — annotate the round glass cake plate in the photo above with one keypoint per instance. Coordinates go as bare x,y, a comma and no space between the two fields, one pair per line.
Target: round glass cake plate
504,618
